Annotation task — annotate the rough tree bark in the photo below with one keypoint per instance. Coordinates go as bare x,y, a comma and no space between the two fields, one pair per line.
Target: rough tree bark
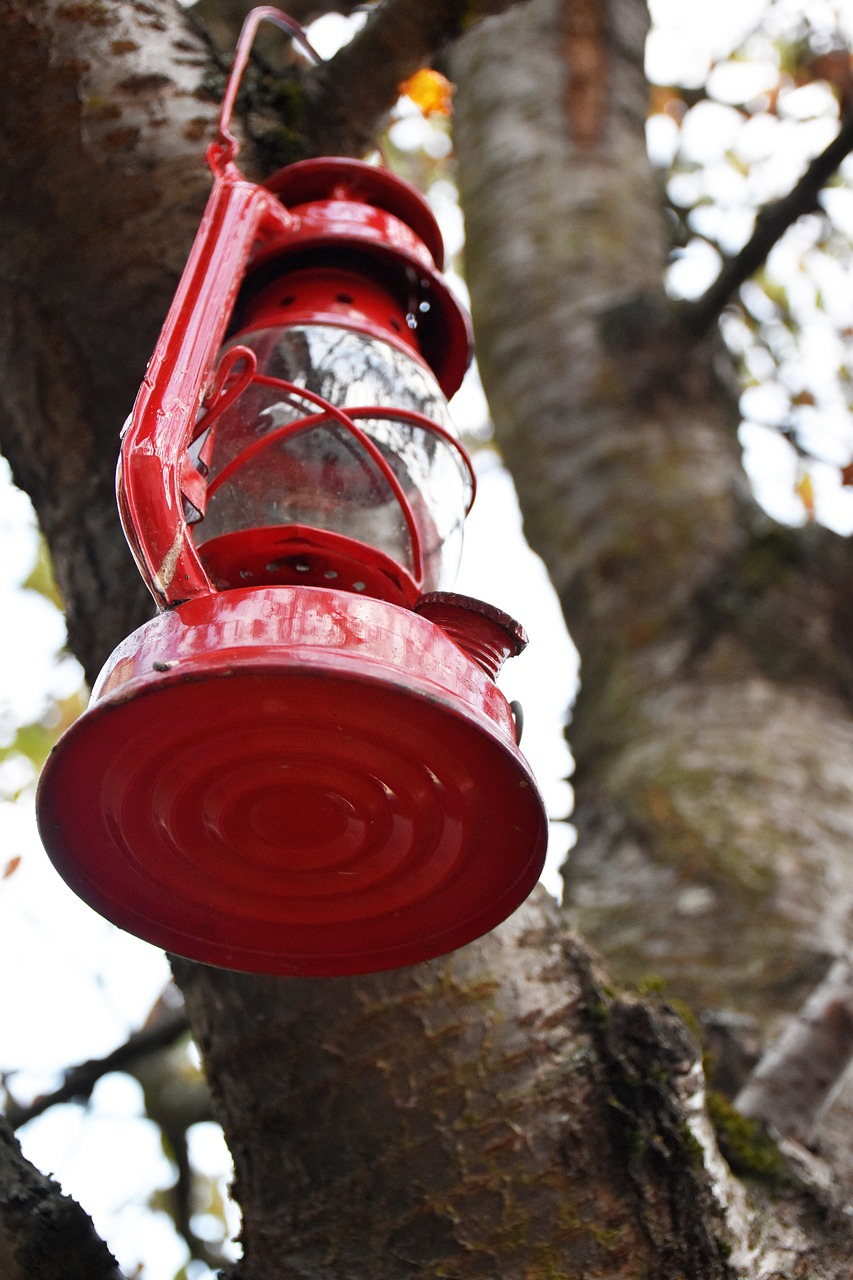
712,733
501,1110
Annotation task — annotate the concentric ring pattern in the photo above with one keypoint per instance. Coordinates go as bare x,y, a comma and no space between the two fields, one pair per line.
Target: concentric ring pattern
288,822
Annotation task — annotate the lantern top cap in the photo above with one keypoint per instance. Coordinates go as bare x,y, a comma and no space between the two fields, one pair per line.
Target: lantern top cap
341,178
348,207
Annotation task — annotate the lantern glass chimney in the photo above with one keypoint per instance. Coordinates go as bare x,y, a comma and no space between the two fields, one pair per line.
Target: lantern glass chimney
320,476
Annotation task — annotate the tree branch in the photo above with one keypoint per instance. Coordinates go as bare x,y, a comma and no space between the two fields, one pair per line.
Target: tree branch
44,1235
770,225
797,1078
346,97
79,1081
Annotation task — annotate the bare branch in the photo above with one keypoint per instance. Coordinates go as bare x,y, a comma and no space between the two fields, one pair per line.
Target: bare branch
44,1235
348,96
797,1078
345,101
78,1082
770,225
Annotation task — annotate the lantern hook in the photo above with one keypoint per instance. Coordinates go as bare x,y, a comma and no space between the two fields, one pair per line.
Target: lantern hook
226,146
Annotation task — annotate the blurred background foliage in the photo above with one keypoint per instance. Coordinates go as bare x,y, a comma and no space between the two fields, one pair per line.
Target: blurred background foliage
731,137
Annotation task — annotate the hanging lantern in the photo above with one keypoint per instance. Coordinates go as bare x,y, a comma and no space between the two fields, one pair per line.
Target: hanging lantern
302,764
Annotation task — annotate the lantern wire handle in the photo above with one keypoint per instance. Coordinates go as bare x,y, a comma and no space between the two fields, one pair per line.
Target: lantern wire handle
226,146
230,382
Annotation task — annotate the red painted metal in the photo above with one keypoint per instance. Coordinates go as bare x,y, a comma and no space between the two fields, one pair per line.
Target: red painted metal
251,237
240,224
156,436
293,554
295,781
488,635
373,192
321,295
226,144
346,207
314,773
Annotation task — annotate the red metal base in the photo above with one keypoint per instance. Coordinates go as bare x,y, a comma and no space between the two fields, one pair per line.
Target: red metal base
294,780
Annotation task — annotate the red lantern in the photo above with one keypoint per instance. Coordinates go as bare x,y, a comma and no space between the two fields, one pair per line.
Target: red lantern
303,764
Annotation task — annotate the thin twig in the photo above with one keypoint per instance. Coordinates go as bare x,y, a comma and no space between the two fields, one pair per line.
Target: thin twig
770,225
79,1081
796,1079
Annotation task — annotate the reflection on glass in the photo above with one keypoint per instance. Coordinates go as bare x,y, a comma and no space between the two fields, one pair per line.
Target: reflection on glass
322,477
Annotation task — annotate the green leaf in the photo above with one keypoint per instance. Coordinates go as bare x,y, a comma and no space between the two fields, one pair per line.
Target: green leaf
41,579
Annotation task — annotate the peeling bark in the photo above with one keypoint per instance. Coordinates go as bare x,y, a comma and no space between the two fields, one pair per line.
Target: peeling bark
798,1077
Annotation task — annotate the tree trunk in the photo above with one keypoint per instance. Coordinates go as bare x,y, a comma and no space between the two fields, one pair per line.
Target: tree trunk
713,734
492,1112
500,1110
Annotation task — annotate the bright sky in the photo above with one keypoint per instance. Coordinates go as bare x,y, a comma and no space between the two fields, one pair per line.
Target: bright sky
73,985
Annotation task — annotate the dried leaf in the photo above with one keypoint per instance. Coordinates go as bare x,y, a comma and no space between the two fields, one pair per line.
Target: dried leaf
666,101
11,866
430,91
805,492
847,475
836,68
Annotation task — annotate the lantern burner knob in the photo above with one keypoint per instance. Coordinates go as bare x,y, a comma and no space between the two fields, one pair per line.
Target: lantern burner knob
486,634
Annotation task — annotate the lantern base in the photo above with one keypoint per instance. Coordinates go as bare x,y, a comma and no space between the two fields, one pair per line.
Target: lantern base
294,780
291,554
